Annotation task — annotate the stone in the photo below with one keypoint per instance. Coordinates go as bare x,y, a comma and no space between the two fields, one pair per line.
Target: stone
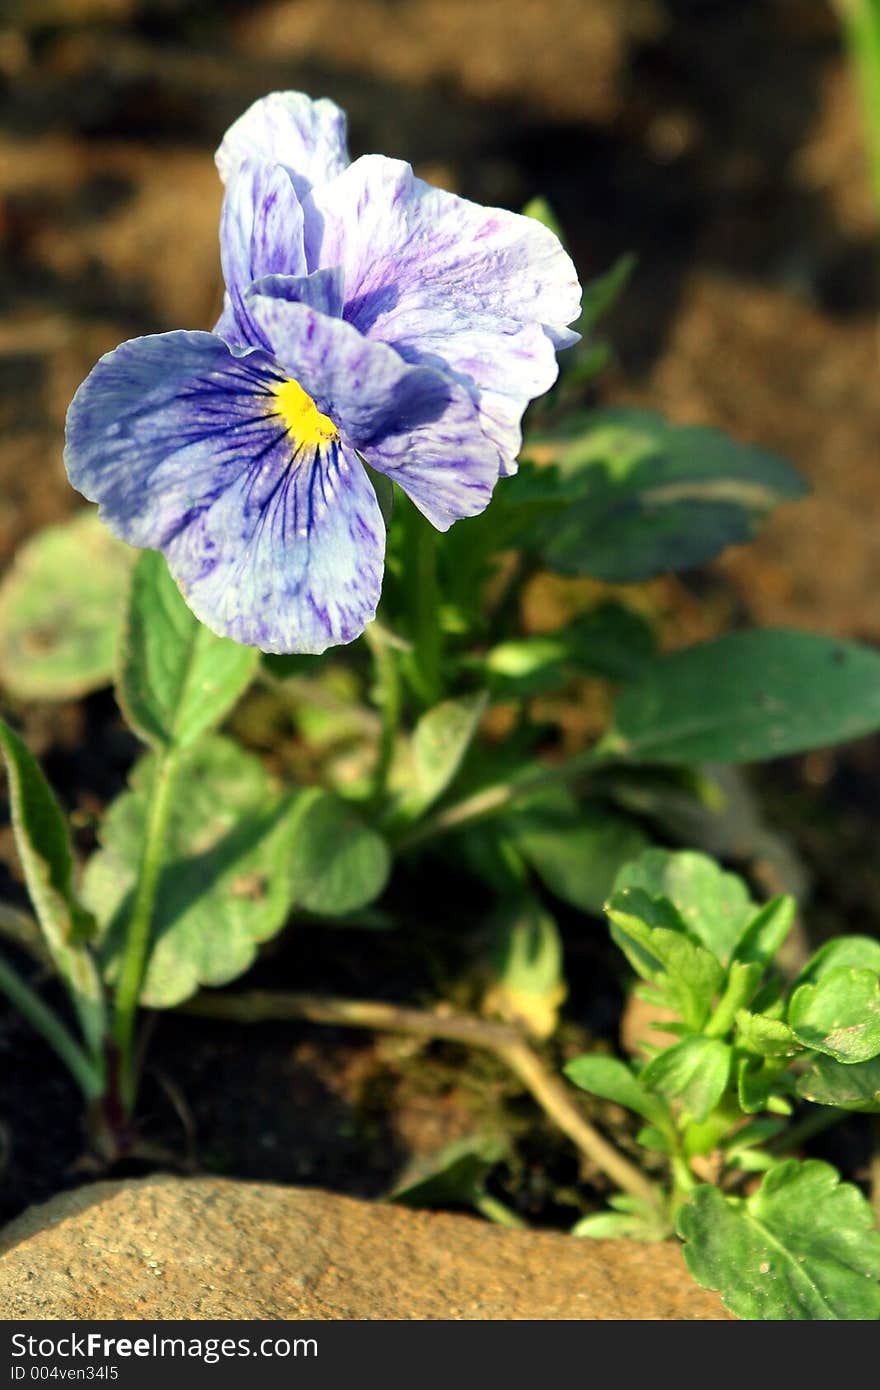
200,1248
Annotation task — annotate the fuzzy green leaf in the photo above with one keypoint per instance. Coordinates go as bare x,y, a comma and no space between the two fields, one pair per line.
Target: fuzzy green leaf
648,496
61,611
767,1037
839,1015
612,1079
576,850
766,931
773,692
664,955
528,982
693,1072
227,882
338,865
803,1247
846,1086
43,844
715,906
176,679
452,1176
439,744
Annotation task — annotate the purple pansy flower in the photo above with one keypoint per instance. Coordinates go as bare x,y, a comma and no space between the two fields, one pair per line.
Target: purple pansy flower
368,317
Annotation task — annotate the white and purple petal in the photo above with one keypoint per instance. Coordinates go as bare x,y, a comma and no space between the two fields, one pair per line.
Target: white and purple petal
417,424
447,281
180,441
307,137
261,235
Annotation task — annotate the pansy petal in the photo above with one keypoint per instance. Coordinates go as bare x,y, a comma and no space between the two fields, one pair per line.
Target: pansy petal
307,137
507,364
180,441
261,234
323,290
443,279
290,557
407,247
159,423
414,423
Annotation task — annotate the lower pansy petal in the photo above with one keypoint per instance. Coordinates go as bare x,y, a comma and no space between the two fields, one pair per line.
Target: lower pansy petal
289,128
289,559
415,423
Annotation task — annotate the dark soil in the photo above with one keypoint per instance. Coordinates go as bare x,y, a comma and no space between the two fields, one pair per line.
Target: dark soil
720,142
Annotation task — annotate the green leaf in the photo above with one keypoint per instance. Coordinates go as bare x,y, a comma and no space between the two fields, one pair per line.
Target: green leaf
576,850
609,641
773,692
176,679
646,496
839,1015
758,1085
61,611
612,1079
439,744
629,1219
694,1072
602,293
847,1086
858,952
43,844
338,865
226,884
452,1176
766,932
652,936
715,906
767,1037
540,210
803,1247
528,983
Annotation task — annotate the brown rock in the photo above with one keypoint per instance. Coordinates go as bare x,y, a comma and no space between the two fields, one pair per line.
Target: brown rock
213,1248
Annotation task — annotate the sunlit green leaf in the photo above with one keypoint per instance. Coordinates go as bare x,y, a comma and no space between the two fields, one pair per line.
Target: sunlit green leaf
647,496
176,679
61,611
43,844
839,1014
803,1247
773,692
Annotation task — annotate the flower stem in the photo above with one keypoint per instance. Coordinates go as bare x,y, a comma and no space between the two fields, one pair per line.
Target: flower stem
38,1014
424,603
508,1045
137,941
388,683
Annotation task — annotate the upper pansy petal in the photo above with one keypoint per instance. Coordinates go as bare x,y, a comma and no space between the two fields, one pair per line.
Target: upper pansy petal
413,422
408,248
261,234
184,445
289,128
483,292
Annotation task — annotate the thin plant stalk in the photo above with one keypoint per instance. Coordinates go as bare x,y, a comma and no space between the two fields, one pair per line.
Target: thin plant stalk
256,1006
137,941
50,1027
387,667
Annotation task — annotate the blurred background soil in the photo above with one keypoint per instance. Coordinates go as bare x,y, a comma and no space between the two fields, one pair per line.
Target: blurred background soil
718,141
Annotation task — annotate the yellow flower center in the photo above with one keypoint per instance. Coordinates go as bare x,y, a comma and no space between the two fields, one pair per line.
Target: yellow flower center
301,416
